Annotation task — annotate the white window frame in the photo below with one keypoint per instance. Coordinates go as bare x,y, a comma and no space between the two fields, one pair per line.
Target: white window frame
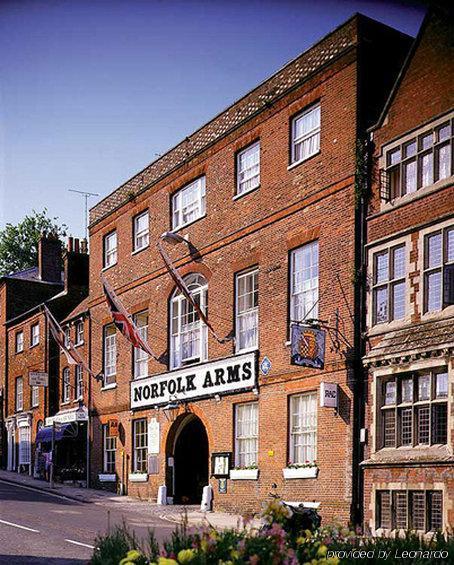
35,396
79,325
248,174
19,394
109,447
309,305
303,433
297,141
66,385
110,250
34,334
141,237
19,341
140,356
110,355
249,314
24,445
142,448
79,382
246,444
197,205
181,333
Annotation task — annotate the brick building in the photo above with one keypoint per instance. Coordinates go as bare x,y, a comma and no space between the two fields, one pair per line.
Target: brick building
265,195
409,464
60,283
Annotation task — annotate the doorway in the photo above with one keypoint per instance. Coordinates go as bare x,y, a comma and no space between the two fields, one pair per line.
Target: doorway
190,457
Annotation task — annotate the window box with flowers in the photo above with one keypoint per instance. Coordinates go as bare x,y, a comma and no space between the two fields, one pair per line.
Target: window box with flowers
138,477
245,473
301,471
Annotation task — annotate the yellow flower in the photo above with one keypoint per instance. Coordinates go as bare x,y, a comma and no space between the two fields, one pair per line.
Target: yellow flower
322,551
186,555
167,561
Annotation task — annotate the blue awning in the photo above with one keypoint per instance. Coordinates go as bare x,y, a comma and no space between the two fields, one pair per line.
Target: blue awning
44,435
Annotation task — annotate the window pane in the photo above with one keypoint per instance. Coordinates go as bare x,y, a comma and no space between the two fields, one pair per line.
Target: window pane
418,510
389,428
433,251
248,169
406,426
433,290
441,389
444,161
390,393
450,245
423,387
303,428
410,149
400,506
423,424
140,356
407,390
399,262
246,440
384,509
435,510
304,282
426,165
306,134
426,141
381,267
393,157
398,301
440,423
409,177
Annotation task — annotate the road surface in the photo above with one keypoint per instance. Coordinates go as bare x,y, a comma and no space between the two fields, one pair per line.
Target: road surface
40,528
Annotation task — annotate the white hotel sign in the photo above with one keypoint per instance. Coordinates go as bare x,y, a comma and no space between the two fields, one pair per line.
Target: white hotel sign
238,373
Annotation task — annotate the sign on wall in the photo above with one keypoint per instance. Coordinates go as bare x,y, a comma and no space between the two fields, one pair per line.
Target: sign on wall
329,395
308,346
220,464
225,376
38,378
153,436
113,427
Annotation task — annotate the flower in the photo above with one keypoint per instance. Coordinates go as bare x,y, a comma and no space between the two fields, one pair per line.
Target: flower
167,561
185,555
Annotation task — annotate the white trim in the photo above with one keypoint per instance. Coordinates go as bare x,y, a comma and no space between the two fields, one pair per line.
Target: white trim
109,387
293,165
244,474
300,472
138,477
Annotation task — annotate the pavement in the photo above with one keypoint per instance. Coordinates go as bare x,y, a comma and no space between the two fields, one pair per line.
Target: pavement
59,526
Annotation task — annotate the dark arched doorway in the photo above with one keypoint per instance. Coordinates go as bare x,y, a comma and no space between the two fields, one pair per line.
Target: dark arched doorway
190,458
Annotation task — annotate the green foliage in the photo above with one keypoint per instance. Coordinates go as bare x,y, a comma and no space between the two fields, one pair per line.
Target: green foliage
19,243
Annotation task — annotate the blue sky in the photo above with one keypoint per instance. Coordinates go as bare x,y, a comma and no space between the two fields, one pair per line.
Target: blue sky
91,91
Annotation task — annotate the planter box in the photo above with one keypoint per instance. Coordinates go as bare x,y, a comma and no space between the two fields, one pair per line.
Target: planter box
300,473
107,478
244,474
138,477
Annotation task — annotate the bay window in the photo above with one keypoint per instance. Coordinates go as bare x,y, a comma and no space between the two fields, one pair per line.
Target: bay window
247,310
189,339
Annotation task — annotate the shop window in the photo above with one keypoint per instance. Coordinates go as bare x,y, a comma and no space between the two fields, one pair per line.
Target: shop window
19,342
420,510
79,382
140,356
414,409
140,446
303,428
19,394
34,335
141,231
110,250
110,449
246,435
388,292
110,355
247,310
304,282
420,162
35,396
188,204
66,385
439,270
305,134
189,339
79,332
248,169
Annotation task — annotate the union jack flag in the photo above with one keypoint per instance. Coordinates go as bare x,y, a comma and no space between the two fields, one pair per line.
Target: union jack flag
123,320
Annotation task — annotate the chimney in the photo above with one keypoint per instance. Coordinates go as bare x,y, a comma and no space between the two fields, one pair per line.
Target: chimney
49,258
75,264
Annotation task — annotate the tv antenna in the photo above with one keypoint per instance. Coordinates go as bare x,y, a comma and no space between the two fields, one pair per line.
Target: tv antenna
86,195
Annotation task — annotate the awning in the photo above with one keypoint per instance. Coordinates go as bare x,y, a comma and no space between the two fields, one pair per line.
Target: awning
44,435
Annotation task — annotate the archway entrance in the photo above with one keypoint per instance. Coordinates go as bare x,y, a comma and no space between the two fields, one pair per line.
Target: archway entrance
190,460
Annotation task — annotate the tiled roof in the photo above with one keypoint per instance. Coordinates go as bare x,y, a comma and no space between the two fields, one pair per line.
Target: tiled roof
31,274
289,77
418,338
81,308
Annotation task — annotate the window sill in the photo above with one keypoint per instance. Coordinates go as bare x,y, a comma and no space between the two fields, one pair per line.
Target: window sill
293,165
107,477
79,344
109,387
245,193
107,267
34,345
244,474
136,251
65,403
138,477
249,350
19,352
78,399
300,472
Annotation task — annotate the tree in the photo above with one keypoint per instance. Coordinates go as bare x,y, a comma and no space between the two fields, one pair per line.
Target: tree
19,243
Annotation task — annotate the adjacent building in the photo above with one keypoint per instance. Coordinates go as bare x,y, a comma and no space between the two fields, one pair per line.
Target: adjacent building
409,465
267,198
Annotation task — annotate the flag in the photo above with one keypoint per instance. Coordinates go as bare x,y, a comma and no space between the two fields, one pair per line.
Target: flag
123,320
67,346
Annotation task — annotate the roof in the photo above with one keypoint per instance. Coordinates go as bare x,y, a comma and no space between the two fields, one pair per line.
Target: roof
293,74
80,309
428,337
31,274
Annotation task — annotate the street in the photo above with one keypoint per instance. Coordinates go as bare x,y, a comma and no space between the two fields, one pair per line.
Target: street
37,527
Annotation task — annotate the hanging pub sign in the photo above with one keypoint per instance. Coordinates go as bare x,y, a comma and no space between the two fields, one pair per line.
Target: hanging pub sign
220,464
308,346
329,395
113,427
